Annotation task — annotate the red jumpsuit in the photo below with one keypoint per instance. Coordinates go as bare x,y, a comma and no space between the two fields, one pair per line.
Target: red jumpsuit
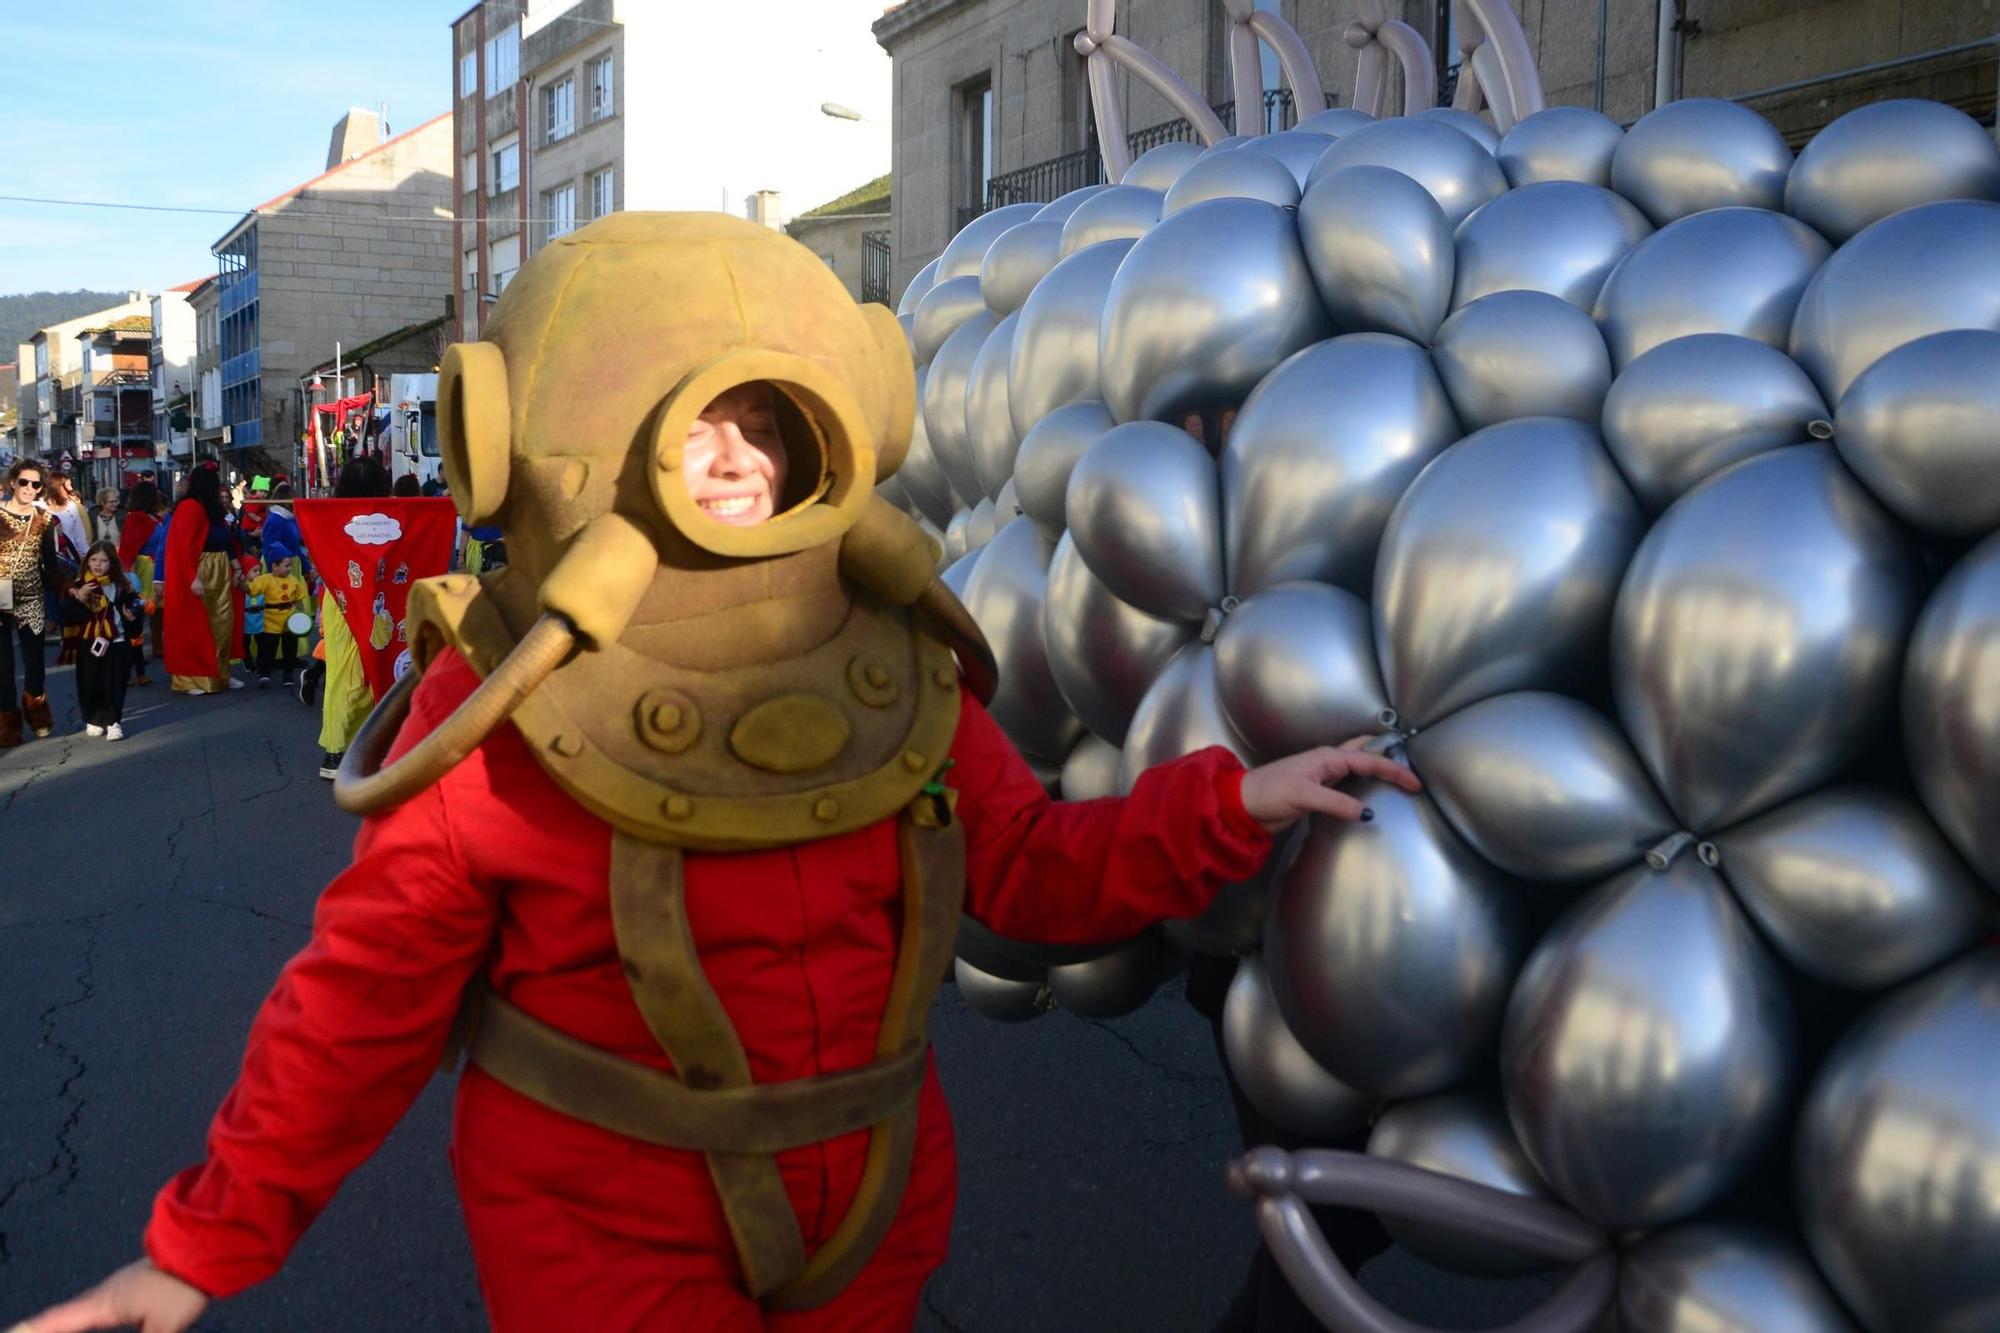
497,867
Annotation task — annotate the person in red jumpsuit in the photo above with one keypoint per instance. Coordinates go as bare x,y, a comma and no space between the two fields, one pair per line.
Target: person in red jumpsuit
574,1226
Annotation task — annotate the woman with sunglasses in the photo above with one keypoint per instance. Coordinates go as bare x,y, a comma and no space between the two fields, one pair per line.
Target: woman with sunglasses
27,562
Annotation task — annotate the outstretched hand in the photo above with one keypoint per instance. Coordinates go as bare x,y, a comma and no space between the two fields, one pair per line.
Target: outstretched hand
1278,794
136,1296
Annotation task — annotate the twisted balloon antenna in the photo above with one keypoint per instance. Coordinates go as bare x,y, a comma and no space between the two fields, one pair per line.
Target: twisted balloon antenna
1494,53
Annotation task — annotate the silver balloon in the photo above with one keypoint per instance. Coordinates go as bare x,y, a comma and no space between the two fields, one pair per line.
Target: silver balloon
1144,507
1899,1146
1541,785
1295,667
1119,213
966,251
1048,455
1091,771
908,323
1203,307
1648,1049
1465,1135
1161,165
1007,505
1885,157
1335,121
1733,270
920,473
958,555
1005,595
1559,237
1499,568
1380,252
1756,643
919,286
1690,407
1179,715
1951,707
1723,1277
1697,154
1233,176
1227,144
1922,271
1855,886
1921,428
941,311
990,440
1277,1076
1459,173
1059,208
1298,149
1017,260
1055,345
943,403
1391,946
985,521
1561,143
1002,999
1103,653
1113,984
1466,123
1319,456
1522,354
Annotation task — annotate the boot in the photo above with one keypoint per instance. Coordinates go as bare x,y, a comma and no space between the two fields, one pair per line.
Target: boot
36,707
10,728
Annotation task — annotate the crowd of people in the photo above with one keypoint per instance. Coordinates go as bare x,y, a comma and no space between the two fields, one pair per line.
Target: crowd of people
216,582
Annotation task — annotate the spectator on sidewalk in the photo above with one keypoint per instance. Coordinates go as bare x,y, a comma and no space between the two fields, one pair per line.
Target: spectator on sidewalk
103,602
27,576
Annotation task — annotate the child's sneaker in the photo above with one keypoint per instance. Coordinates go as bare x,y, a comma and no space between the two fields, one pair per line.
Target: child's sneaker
235,683
92,729
114,732
329,764
263,682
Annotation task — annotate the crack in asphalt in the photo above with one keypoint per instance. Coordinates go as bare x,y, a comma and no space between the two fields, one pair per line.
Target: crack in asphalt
1166,1071
248,909
64,1166
938,1311
65,743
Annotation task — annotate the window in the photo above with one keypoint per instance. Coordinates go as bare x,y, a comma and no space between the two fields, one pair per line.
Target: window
601,199
470,269
468,172
559,207
975,142
600,88
503,256
559,111
503,60
468,74
506,165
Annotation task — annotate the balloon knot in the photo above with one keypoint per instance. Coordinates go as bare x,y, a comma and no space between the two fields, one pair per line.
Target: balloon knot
1357,34
1211,624
1085,44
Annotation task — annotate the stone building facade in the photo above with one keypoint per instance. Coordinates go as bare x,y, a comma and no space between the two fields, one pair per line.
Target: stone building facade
984,88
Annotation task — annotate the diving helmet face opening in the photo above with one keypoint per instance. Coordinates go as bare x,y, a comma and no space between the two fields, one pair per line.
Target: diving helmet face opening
828,471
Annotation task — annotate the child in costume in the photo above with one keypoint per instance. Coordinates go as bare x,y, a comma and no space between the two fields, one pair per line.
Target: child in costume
104,602
283,594
747,717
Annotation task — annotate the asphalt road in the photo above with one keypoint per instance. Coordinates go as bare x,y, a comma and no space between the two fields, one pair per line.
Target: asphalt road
151,889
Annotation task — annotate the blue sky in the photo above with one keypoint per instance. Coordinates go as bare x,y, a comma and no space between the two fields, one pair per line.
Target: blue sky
192,103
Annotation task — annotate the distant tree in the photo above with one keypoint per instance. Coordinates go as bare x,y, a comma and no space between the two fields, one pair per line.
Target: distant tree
22,314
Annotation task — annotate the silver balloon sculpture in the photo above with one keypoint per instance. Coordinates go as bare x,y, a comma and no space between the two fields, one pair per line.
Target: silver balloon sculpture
1104,654
1701,154
1471,126
1054,358
1119,213
1921,271
922,476
990,440
1181,713
1019,258
1692,406
1899,1145
1522,354
1559,237
1161,165
1866,165
1951,707
1003,999
1543,786
1380,252
1855,886
1648,1051
1233,176
1145,509
1277,1076
945,386
1091,770
1203,307
1390,946
1462,1134
1300,150
1295,668
1005,595
1499,568
1459,173
920,285
943,308
1319,456
1112,984
1562,143
1047,456
1731,270
1921,428
1059,208
966,251
1723,1277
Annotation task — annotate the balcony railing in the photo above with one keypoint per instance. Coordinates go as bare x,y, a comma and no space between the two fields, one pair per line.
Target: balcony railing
1044,181
875,266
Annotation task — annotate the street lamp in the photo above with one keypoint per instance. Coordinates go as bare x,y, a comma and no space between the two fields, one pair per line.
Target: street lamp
839,112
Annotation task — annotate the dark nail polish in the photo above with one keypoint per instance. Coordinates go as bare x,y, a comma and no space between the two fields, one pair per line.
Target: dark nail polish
1366,814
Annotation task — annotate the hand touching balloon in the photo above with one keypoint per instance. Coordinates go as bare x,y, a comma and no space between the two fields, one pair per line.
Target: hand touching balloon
1278,794
137,1295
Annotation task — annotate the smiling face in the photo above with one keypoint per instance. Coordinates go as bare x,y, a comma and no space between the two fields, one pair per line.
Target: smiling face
734,461
28,487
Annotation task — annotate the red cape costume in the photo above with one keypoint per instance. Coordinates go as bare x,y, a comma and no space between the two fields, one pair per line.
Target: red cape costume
190,644
497,870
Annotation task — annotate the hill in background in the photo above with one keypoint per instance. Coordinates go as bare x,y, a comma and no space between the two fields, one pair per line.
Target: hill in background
22,314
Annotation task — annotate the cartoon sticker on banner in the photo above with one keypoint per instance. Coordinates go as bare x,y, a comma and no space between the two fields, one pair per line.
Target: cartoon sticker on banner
402,574
382,570
402,633
384,630
403,662
340,600
353,576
